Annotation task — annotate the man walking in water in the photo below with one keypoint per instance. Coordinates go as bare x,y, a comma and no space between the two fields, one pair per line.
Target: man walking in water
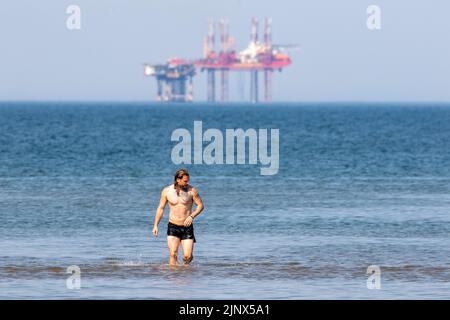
180,229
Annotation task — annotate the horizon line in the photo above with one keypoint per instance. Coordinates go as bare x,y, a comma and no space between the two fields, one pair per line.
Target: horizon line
222,102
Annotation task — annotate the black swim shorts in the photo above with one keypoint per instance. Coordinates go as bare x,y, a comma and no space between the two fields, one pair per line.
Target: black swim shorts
180,231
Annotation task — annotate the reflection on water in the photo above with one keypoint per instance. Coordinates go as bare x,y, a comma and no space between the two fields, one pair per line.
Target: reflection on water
183,274
258,280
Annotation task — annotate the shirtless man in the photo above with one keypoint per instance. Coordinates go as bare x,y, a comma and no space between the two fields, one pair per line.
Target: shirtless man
180,196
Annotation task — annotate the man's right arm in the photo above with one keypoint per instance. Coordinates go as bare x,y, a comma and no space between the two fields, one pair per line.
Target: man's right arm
159,211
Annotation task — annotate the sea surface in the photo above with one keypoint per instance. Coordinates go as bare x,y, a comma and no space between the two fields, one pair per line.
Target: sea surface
358,185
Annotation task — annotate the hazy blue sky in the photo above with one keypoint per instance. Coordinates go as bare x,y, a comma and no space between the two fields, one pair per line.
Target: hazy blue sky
338,59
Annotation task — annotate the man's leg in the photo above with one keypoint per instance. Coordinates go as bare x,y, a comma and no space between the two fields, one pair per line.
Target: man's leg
188,247
173,243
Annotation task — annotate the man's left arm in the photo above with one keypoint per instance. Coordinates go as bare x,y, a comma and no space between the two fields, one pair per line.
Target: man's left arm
199,203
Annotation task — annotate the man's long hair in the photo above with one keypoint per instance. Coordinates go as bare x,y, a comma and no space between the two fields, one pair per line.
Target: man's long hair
179,175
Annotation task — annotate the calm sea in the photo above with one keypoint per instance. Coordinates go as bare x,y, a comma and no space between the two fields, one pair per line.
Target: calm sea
358,185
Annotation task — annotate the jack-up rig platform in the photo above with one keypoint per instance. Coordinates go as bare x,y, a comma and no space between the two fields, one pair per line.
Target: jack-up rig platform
175,77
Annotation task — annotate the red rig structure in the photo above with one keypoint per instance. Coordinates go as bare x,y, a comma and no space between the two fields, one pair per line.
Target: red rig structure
174,79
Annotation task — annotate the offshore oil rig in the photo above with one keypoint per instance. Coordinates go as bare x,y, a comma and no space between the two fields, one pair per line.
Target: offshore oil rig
175,77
